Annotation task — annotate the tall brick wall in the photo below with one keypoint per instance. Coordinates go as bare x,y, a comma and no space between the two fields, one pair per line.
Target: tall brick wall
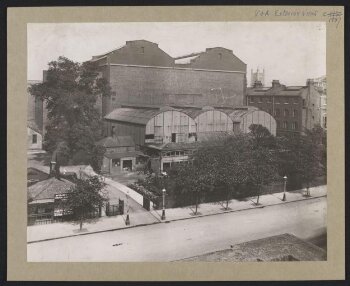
311,110
153,85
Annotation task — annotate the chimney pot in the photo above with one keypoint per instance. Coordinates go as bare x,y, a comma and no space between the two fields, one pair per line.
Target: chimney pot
275,82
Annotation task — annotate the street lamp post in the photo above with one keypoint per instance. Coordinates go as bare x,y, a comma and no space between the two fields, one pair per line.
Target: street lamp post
163,211
127,220
284,188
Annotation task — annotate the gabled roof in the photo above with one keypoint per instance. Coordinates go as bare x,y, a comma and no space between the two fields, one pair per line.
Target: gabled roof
117,141
47,189
98,57
32,125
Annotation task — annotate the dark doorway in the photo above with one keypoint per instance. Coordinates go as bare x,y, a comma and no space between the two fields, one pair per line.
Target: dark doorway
127,165
173,137
166,166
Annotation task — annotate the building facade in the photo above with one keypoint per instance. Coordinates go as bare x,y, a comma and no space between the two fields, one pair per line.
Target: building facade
142,73
35,107
43,200
34,137
169,135
120,155
320,84
295,108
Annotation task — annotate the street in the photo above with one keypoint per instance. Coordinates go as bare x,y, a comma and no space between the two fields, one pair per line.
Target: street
180,239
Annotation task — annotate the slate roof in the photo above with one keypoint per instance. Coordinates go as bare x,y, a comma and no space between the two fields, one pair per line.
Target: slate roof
281,90
98,57
47,189
117,155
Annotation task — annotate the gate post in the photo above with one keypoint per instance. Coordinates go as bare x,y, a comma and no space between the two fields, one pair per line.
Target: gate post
121,206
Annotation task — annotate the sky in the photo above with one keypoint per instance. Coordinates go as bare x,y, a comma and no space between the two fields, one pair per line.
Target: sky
290,52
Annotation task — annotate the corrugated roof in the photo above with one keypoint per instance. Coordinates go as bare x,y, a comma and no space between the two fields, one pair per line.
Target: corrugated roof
47,189
192,112
132,115
237,113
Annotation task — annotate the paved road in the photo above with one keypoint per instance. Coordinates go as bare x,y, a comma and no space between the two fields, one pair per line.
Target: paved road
180,239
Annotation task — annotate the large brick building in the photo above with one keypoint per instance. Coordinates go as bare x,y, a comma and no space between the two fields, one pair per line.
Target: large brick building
295,108
142,73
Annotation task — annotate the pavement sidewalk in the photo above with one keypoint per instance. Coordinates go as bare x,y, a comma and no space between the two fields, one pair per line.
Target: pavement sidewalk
59,230
236,205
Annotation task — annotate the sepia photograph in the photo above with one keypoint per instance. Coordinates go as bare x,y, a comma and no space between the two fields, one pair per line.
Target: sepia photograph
177,142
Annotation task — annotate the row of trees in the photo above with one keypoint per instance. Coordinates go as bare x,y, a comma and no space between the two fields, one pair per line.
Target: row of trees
252,160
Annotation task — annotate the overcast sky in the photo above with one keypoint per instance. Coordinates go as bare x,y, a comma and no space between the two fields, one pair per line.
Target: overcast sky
289,51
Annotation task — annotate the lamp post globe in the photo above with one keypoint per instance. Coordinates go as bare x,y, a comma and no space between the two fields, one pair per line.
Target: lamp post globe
163,211
284,188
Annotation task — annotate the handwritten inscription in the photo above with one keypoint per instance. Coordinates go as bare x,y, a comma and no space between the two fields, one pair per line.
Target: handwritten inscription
332,17
285,13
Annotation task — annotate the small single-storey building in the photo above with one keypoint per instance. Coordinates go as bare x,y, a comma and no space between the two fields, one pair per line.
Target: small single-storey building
34,136
120,155
42,199
34,176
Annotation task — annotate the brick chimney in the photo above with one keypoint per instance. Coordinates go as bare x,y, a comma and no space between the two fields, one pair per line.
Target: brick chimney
276,83
309,82
257,84
54,166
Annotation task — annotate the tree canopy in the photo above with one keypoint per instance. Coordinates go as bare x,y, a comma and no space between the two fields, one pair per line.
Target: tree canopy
71,92
85,197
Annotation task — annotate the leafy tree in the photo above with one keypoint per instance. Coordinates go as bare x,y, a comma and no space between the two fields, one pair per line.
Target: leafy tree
71,91
191,179
234,171
97,158
262,168
85,197
261,136
303,156
309,160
